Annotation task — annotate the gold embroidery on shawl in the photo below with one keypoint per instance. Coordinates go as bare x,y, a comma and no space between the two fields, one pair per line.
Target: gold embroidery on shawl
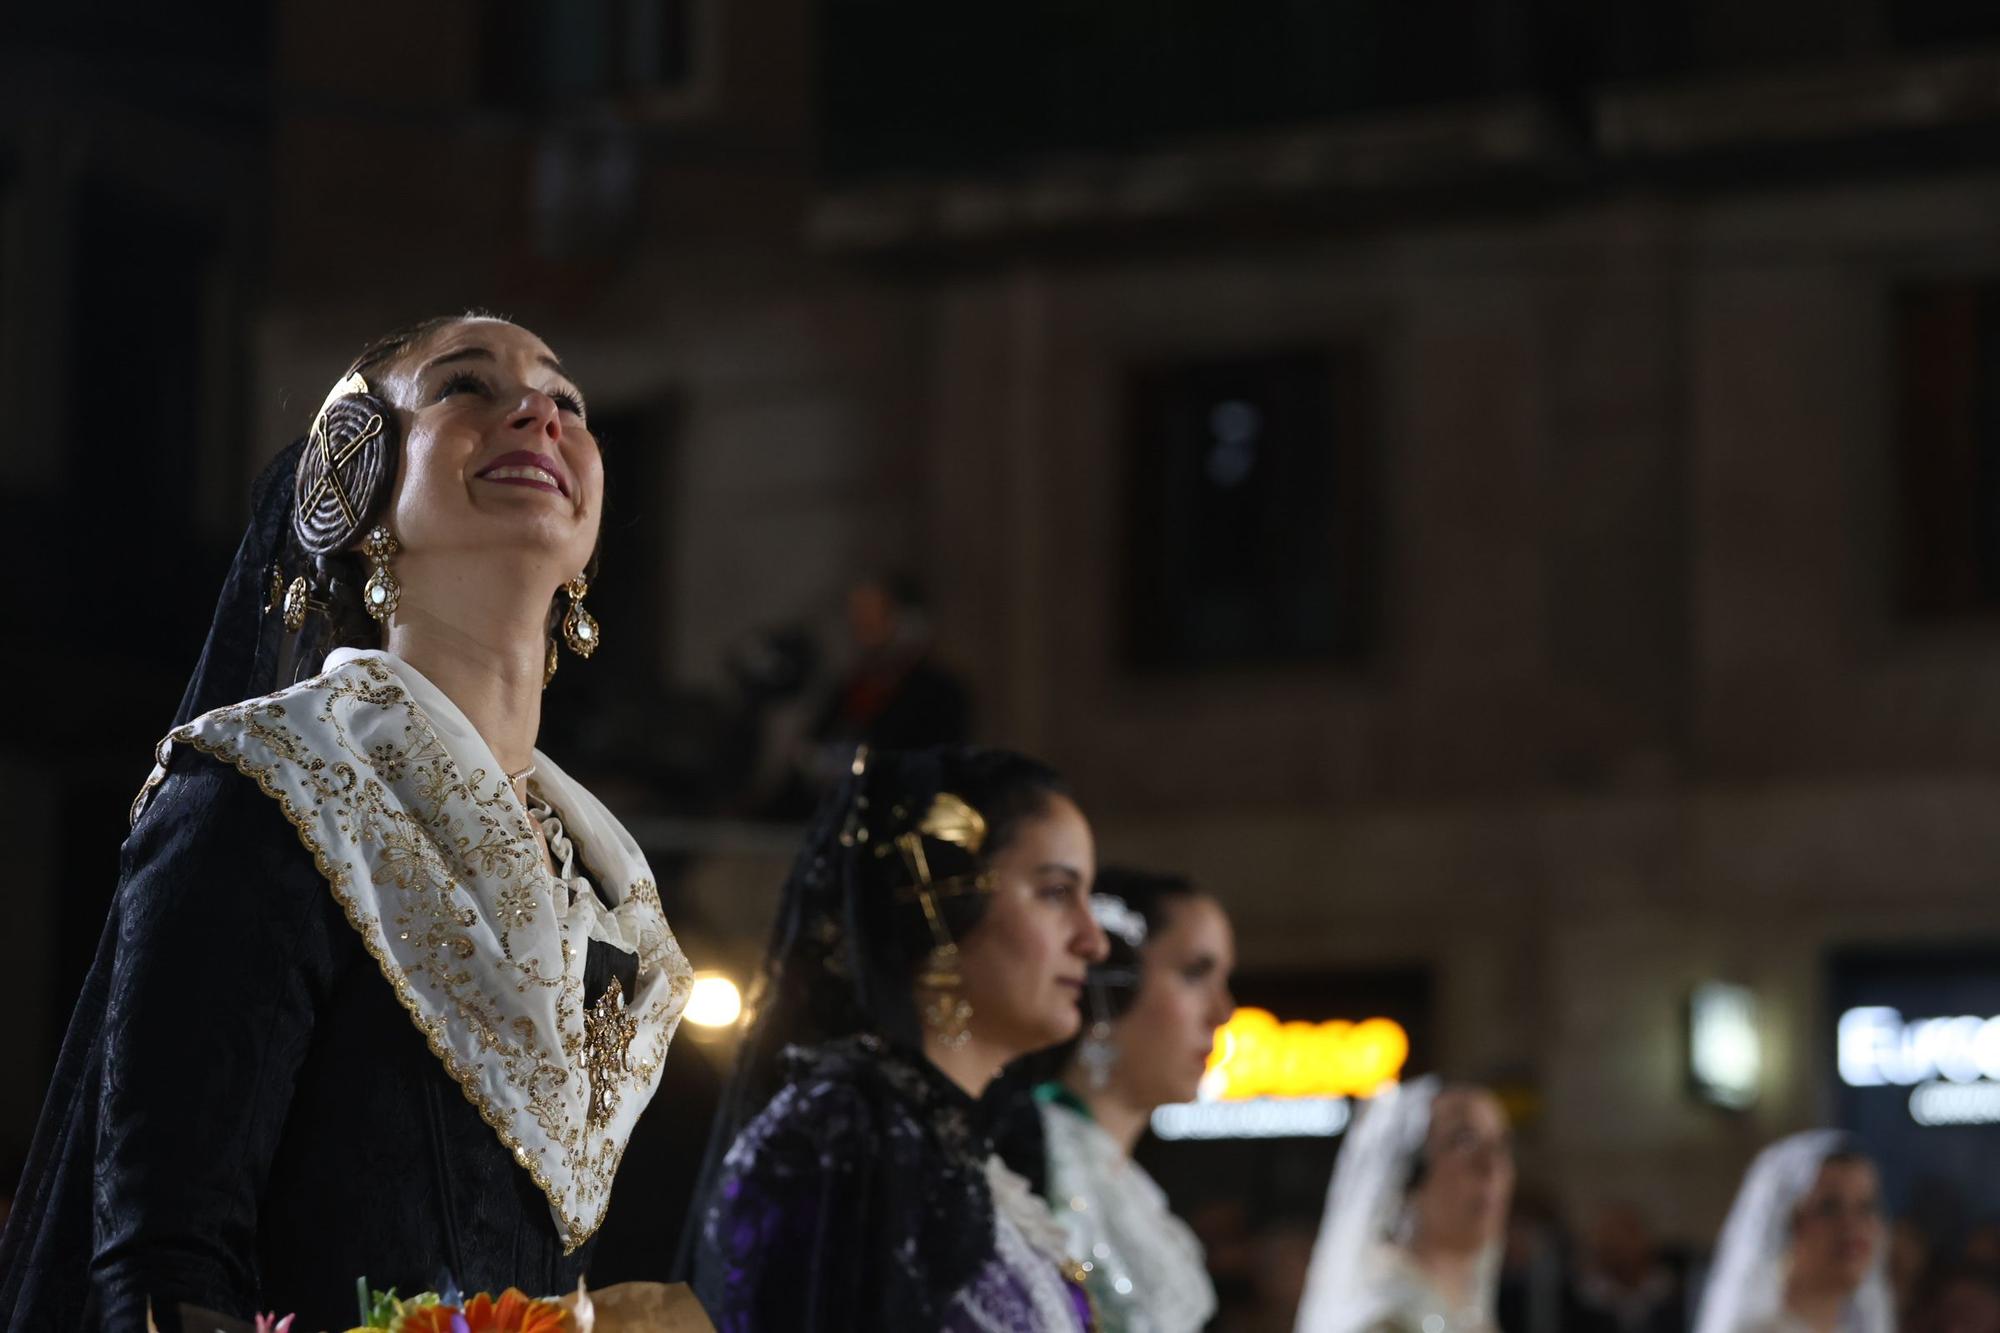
416,842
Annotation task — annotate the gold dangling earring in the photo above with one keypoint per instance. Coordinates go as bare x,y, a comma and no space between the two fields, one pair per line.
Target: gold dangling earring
947,1013
297,604
381,593
549,667
579,627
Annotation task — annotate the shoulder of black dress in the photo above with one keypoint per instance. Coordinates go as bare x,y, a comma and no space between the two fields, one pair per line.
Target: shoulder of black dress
203,806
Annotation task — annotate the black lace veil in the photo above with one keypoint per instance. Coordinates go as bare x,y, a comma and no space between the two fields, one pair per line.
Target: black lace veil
847,941
246,644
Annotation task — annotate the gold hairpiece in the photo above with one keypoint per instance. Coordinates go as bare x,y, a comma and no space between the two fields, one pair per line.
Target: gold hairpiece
352,384
950,819
330,462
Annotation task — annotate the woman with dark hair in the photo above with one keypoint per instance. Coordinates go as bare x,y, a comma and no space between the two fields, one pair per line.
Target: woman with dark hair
1804,1249
936,926
383,990
1416,1216
1154,1004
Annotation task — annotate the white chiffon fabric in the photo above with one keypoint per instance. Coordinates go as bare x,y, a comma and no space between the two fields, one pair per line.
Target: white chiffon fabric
1746,1283
1029,1244
1147,1271
1360,1279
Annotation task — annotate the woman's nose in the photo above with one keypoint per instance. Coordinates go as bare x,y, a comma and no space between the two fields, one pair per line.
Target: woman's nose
539,413
1095,946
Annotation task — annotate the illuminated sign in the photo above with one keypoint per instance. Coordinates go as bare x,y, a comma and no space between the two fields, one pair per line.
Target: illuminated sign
1272,1079
1952,1065
1877,1047
1956,1104
1264,1118
1725,1051
1909,1055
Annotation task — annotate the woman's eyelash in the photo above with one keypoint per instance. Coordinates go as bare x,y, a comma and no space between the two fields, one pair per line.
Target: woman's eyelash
467,382
464,381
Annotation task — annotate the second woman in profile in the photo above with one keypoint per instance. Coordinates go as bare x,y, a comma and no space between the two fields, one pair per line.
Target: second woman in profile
936,926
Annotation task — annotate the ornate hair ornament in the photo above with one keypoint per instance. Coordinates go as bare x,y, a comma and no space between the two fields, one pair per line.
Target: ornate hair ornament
348,468
950,819
947,1013
1116,917
944,1009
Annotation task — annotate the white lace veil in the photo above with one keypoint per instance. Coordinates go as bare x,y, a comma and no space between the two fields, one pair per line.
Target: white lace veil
1746,1282
1348,1285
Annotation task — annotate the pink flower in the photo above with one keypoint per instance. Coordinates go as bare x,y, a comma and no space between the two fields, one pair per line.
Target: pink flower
270,1323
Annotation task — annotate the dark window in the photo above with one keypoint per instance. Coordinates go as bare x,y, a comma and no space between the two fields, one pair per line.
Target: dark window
1948,450
544,54
1251,511
1920,24
912,84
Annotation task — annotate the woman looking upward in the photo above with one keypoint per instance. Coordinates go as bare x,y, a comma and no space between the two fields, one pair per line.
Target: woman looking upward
383,990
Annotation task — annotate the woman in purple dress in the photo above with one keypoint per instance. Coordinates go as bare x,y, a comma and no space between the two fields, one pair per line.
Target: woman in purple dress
936,926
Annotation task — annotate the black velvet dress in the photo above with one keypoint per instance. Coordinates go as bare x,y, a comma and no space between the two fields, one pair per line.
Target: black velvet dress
859,1199
243,1117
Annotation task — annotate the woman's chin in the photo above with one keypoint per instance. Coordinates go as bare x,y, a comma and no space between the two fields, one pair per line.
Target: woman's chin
1058,1029
536,525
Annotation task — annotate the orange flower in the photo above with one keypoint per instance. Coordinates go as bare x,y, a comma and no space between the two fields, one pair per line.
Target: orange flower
514,1312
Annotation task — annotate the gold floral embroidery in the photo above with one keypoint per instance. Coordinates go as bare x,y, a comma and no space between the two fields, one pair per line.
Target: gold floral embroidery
456,875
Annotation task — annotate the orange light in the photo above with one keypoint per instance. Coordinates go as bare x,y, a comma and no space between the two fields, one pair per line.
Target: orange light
1257,1056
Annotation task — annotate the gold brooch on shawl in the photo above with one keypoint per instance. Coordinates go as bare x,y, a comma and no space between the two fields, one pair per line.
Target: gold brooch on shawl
608,1031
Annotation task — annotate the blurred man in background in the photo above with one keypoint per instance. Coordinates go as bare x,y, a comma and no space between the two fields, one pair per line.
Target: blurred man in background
1625,1284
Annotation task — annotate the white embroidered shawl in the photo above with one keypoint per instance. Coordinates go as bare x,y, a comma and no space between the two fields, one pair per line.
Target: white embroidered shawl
425,845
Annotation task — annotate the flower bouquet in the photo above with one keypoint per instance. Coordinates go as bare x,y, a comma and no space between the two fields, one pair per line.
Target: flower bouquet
629,1307
450,1312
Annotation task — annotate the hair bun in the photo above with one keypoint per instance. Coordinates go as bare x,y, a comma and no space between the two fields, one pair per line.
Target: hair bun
347,470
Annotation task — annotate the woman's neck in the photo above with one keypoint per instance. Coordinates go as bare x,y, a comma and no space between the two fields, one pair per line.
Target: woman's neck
1451,1272
1817,1309
972,1066
487,654
1115,1115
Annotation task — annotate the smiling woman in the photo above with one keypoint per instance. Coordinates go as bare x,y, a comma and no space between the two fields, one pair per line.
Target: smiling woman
936,926
384,990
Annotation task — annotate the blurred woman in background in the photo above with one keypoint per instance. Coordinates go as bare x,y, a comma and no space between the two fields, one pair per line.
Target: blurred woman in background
1804,1247
1416,1216
936,926
1154,1005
